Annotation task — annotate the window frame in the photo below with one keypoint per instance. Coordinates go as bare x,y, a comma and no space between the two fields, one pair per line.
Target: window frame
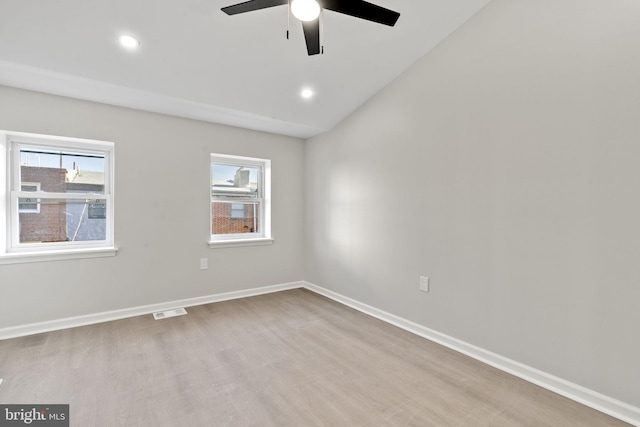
263,237
11,250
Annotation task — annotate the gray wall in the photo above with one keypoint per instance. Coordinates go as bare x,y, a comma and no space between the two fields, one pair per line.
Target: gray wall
504,166
162,219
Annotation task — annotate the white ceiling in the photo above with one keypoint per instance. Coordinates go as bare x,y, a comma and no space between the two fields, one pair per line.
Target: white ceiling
195,61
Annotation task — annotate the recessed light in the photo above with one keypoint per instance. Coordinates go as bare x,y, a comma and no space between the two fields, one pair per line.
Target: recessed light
128,41
306,93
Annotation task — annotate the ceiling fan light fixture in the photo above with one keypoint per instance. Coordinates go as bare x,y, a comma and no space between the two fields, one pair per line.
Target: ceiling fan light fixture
309,11
128,41
305,10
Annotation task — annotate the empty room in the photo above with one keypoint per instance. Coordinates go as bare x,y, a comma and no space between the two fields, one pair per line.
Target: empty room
320,213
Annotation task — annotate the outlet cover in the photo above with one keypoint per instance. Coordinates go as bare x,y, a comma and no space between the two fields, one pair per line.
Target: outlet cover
424,284
204,263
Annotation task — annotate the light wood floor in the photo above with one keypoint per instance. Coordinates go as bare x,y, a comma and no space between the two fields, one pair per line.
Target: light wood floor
291,358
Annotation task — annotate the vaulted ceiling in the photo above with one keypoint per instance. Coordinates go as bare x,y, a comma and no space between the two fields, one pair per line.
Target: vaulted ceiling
195,61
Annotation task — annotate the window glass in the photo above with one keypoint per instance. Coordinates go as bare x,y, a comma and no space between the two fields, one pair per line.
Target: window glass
238,211
29,204
228,220
61,220
62,171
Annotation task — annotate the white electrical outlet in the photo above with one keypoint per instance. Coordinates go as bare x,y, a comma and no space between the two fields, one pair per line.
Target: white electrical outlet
424,284
204,263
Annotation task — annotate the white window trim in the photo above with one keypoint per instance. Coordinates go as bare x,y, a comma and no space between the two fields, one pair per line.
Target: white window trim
11,252
264,186
59,255
240,242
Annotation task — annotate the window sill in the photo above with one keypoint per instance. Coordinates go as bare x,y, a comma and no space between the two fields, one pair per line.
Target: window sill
24,257
214,244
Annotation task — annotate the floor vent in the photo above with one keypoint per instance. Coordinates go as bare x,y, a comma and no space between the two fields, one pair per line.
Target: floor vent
169,313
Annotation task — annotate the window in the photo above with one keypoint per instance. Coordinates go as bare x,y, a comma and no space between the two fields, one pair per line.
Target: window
237,211
29,205
57,198
240,200
98,210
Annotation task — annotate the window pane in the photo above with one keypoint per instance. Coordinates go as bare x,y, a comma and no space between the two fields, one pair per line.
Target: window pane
233,218
62,172
29,186
98,209
61,220
234,181
29,205
237,211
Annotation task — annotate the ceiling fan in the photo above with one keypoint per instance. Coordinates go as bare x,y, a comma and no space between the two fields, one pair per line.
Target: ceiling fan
308,12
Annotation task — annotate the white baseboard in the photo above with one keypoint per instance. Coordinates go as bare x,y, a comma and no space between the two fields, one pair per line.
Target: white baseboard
583,395
89,319
593,399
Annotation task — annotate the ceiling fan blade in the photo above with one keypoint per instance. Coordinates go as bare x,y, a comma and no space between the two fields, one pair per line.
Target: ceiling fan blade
312,36
251,5
364,10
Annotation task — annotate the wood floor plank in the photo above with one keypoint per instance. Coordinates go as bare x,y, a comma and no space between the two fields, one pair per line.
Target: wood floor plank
291,358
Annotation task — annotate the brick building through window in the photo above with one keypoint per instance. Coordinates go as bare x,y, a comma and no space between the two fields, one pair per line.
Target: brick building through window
61,220
47,222
230,218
